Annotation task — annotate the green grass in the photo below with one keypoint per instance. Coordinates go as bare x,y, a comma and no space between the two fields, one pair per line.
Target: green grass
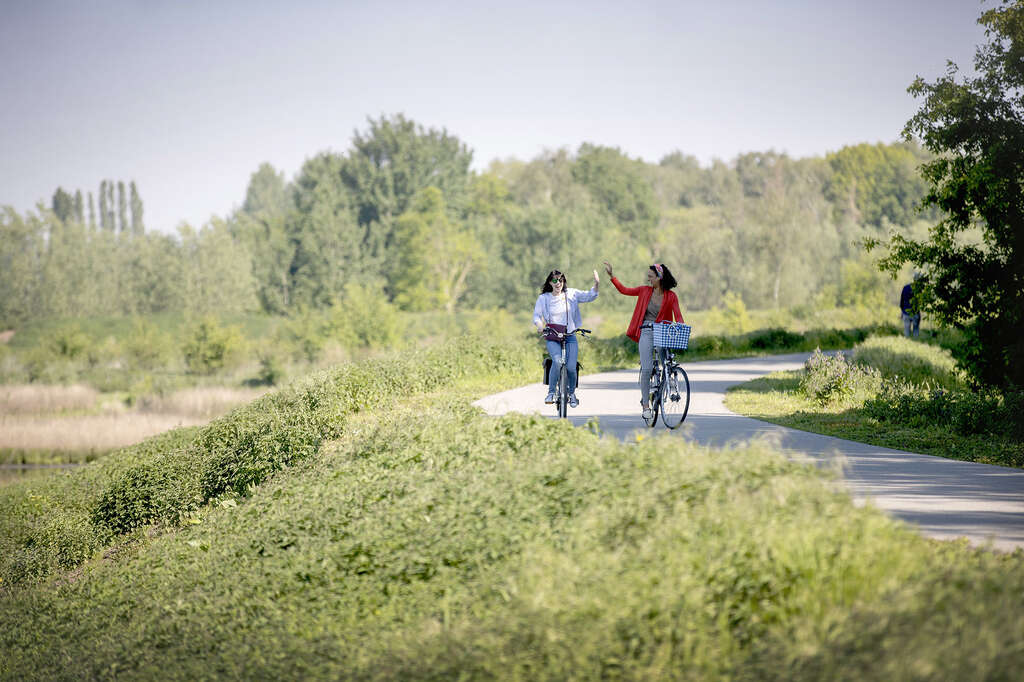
897,357
431,542
367,523
780,399
167,479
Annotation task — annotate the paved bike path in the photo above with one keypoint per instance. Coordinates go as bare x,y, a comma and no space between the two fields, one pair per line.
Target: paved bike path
944,498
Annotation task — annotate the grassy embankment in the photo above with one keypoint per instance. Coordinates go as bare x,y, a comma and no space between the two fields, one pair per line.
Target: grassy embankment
895,393
78,389
365,523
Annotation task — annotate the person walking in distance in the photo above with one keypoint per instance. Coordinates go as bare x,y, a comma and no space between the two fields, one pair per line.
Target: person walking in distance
655,302
558,307
909,313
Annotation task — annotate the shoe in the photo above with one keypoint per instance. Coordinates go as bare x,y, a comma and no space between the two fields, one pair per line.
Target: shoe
574,401
648,413
550,399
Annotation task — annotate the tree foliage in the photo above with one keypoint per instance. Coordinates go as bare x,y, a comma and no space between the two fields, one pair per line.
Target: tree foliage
400,216
975,126
395,159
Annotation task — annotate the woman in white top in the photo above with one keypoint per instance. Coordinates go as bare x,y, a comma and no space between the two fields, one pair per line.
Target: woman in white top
558,307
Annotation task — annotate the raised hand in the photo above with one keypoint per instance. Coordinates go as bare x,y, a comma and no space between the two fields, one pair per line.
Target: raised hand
608,268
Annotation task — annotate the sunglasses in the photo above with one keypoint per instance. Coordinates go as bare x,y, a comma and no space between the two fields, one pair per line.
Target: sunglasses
555,280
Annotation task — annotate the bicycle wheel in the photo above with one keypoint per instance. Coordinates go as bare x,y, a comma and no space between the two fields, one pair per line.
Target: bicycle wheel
563,393
654,397
675,397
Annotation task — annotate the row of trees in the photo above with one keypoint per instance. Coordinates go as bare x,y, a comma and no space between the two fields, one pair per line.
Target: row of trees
49,268
401,209
402,215
69,208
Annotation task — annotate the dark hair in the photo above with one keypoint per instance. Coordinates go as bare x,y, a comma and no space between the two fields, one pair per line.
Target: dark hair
667,280
547,288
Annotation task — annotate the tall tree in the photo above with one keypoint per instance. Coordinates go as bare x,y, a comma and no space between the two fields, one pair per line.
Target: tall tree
104,213
394,160
92,213
620,184
332,249
975,127
79,208
877,183
138,227
21,255
111,216
63,205
433,256
122,208
261,225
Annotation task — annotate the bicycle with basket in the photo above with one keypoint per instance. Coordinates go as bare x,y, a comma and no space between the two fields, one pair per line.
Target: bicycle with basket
670,386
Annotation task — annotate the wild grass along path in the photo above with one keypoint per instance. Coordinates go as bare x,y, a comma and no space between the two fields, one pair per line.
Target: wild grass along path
944,498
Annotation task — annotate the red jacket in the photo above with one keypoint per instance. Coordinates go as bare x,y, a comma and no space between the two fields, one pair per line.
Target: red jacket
669,307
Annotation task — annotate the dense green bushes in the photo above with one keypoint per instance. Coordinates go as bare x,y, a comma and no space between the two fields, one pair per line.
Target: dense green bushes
431,542
897,393
966,412
919,363
168,480
833,379
46,524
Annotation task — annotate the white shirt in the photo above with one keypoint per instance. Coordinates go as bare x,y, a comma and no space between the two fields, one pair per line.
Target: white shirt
562,309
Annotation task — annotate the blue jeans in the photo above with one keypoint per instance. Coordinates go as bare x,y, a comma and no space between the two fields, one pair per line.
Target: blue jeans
571,354
911,324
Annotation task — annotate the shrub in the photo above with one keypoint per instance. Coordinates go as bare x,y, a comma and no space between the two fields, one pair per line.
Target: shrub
71,342
966,412
211,347
146,347
364,318
919,363
271,370
166,479
831,379
775,338
305,333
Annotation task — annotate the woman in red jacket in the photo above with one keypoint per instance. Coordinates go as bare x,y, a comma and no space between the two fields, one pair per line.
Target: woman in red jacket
655,302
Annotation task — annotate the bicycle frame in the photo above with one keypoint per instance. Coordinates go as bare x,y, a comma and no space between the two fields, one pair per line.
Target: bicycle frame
661,384
563,391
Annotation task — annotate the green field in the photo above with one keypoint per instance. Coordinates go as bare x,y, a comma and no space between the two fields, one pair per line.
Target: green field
367,523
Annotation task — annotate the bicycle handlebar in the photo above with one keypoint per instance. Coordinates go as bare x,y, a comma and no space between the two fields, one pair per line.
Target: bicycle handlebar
562,335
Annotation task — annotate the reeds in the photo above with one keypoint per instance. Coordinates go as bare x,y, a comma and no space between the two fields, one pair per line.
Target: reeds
96,433
43,399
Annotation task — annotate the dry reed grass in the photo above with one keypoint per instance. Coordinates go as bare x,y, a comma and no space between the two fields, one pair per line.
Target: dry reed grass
203,402
30,416
43,399
99,433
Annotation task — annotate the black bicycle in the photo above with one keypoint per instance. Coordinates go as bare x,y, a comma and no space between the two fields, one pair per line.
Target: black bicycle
563,391
670,386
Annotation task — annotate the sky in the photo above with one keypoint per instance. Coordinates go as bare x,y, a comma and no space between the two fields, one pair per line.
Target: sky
189,98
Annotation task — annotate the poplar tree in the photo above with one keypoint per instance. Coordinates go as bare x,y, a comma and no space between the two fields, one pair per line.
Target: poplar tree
122,208
111,217
136,208
79,208
63,205
104,224
92,213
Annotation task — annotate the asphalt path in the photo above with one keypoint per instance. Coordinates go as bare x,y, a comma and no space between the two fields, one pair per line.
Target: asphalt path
943,498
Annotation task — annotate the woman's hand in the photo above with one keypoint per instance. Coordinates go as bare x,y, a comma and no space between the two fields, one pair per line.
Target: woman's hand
608,268
596,279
